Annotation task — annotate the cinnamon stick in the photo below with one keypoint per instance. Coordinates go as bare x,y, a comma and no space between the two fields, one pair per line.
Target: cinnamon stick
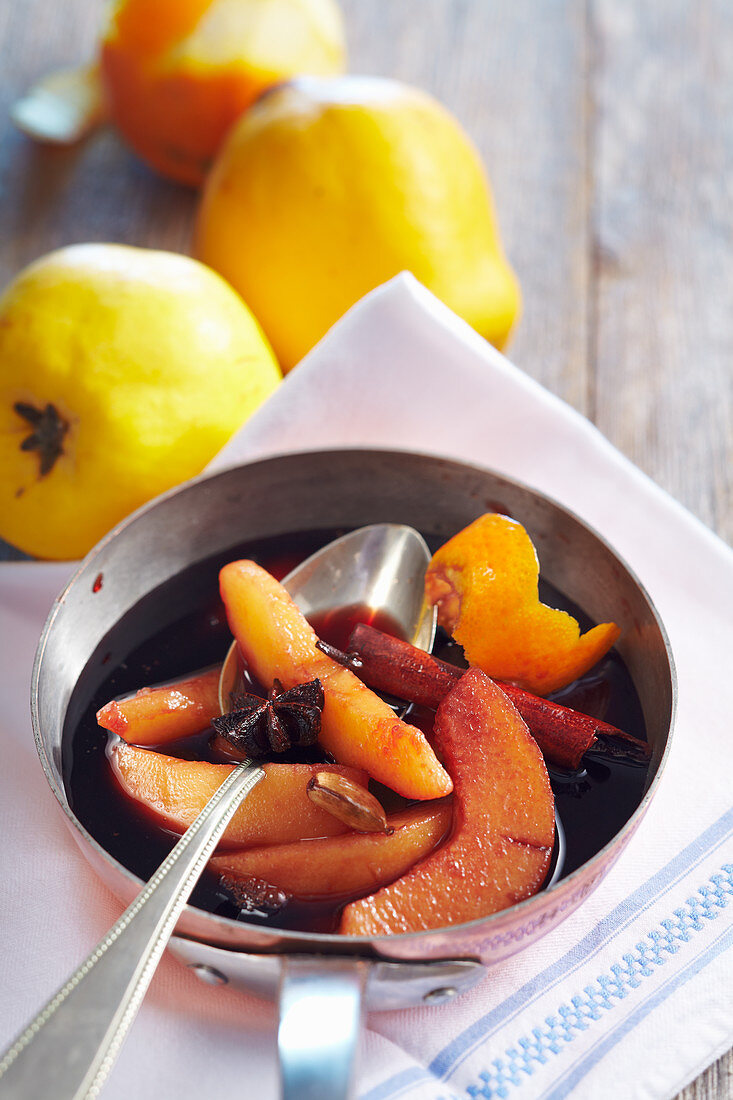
564,735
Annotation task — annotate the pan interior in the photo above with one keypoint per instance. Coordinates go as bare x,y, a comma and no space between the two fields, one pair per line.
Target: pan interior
180,627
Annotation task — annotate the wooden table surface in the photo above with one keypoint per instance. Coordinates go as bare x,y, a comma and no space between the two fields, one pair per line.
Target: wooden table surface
606,129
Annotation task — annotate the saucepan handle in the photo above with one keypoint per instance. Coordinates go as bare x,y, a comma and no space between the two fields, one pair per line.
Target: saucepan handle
321,1010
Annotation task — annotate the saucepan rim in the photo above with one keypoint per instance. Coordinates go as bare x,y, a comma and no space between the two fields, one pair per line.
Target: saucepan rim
319,941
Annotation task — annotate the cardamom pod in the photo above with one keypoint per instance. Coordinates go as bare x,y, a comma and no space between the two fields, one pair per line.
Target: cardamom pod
349,802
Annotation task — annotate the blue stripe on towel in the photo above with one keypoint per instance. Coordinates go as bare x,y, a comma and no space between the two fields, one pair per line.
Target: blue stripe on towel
570,1079
577,1014
599,937
447,1060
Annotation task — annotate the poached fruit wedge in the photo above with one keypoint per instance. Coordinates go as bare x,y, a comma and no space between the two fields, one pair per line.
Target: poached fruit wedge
357,727
503,822
484,584
341,865
156,716
277,811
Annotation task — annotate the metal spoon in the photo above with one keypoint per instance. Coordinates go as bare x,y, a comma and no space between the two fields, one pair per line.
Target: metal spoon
381,566
69,1048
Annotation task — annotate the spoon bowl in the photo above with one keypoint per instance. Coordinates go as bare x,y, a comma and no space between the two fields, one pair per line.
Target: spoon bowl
381,567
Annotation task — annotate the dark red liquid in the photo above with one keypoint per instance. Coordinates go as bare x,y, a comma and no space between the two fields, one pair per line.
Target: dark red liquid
335,626
181,627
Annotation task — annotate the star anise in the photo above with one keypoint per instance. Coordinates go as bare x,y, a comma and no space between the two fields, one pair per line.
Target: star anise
254,895
282,721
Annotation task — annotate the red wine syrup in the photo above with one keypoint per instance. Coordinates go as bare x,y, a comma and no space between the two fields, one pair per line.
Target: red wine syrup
182,627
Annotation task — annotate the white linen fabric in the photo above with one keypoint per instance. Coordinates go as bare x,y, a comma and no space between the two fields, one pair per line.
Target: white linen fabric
633,995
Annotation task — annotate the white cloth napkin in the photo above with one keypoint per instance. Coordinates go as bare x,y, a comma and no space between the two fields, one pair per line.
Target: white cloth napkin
633,995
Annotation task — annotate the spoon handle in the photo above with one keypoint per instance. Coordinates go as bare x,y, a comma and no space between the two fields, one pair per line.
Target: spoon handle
69,1048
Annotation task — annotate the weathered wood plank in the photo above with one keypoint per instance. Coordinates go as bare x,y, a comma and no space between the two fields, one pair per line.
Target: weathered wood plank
515,76
662,346
90,192
663,226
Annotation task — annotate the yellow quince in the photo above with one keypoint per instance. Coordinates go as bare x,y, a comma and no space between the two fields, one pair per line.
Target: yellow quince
123,371
327,188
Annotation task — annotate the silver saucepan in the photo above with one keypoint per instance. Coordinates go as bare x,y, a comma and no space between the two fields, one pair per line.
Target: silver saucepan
113,602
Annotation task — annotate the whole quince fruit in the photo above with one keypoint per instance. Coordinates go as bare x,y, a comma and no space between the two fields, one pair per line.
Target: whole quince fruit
327,188
177,73
123,371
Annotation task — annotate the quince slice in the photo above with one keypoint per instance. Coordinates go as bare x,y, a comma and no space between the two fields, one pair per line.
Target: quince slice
277,811
503,822
484,584
154,716
356,863
357,727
